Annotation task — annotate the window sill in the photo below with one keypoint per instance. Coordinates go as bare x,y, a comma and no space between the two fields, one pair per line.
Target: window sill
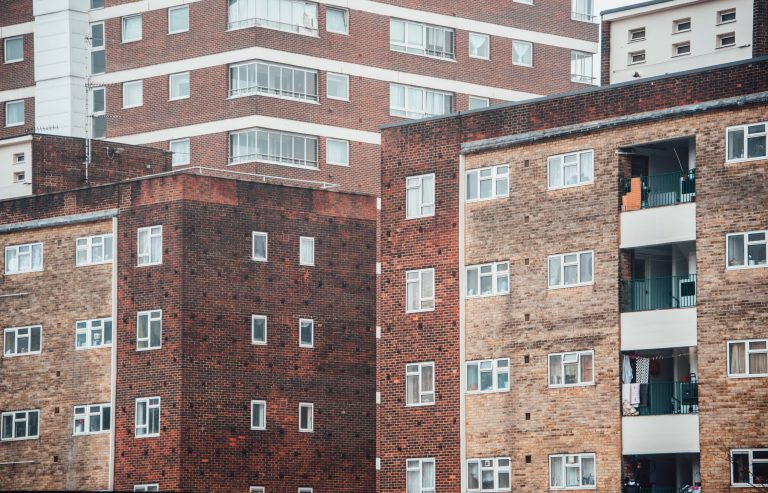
745,160
94,263
552,189
170,33
681,55
125,42
485,199
337,164
337,32
259,428
151,264
433,57
726,22
480,296
338,99
8,62
258,343
23,272
579,285
133,106
522,65
427,404
19,355
725,47
482,392
259,259
85,434
633,41
175,165
570,386
310,35
761,375
20,439
481,58
681,32
420,311
264,161
573,488
149,348
179,98
86,348
746,267
153,435
305,346
418,217
275,96
14,125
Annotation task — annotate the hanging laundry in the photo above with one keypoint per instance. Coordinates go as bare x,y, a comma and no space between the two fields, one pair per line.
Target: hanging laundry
627,370
642,366
634,394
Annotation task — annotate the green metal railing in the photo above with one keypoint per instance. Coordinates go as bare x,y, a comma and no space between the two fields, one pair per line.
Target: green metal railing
665,189
658,398
658,293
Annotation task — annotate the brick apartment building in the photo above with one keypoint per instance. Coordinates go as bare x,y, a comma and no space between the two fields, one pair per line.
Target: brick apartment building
182,331
574,291
281,87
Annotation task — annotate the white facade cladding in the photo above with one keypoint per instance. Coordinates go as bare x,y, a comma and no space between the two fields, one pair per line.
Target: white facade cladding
658,226
677,35
656,329
664,434
61,30
16,167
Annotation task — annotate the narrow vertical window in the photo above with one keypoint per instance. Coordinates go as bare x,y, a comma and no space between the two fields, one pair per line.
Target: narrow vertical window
149,330
307,251
131,28
133,94
178,86
14,113
150,246
99,112
420,196
306,333
14,49
259,329
420,290
98,57
148,417
180,151
258,415
178,19
420,384
259,248
306,417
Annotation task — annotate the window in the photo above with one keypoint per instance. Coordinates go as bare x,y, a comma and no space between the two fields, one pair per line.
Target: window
150,246
748,358
305,490
180,151
681,49
273,147
637,34
98,57
420,290
488,183
569,170
271,79
131,28
488,376
581,10
178,19
682,25
96,418
306,332
14,113
420,384
522,53
19,341
420,196
258,415
24,258
636,57
19,177
570,269
527,2
417,102
338,86
746,142
98,117
133,94
571,369
20,425
149,330
337,152
306,250
148,417
726,16
581,67
476,102
479,46
337,20
258,329
306,417
178,86
259,251
420,475
726,40
749,468
97,4
93,333
572,471
256,489
91,250
146,487
489,474
421,39
296,16
487,279
19,158
746,250
14,49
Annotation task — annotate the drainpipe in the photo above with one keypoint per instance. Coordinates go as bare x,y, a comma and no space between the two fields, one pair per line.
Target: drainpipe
113,364
462,313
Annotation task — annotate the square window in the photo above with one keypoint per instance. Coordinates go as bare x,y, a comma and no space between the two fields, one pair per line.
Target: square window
259,249
259,329
149,330
178,86
637,34
476,102
581,67
338,86
14,113
522,53
682,25
306,333
14,49
131,28
21,259
18,177
480,46
306,417
180,150
337,152
258,415
133,94
337,20
19,158
178,19
726,40
307,251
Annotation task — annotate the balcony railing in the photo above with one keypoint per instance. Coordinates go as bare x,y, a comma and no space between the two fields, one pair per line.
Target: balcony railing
659,293
658,398
644,192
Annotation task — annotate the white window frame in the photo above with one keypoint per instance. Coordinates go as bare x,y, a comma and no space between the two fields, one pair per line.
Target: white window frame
530,51
636,57
149,407
88,327
581,456
419,46
122,25
152,316
488,366
344,12
263,405
252,69
259,234
25,419
563,265
424,301
23,113
171,77
495,468
495,174
327,157
579,60
146,487
255,341
486,102
720,37
723,13
747,354
525,2
406,112
258,19
310,417
86,415
5,49
173,9
424,395
745,141
271,158
185,157
328,75
676,25
498,271
745,254
18,249
87,244
100,115
309,242
256,489
752,461
97,48
19,177
582,16
132,83
579,354
561,158
417,183
634,31
150,232
676,48
311,322
419,467
305,490
28,336
488,40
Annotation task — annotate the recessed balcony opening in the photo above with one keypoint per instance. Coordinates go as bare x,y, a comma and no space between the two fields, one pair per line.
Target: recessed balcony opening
659,381
661,277
658,174
661,473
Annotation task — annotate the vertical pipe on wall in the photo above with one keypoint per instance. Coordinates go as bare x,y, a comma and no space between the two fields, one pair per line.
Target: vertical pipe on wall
113,369
462,355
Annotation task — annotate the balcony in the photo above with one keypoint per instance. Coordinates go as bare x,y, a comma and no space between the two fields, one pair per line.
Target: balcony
646,192
659,398
658,293
662,473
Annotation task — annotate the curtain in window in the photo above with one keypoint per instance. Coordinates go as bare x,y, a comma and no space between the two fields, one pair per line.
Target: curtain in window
736,250
587,471
555,370
758,362
522,53
586,368
427,475
554,271
413,482
556,472
737,359
476,45
735,144
337,152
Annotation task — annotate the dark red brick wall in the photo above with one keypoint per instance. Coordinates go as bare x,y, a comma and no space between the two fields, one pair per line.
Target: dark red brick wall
15,12
760,28
605,53
29,120
18,74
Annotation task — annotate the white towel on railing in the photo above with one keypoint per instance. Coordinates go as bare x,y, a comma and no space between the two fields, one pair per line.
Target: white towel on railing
634,394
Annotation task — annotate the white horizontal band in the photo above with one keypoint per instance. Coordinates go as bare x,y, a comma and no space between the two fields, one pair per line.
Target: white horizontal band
136,8
17,29
20,93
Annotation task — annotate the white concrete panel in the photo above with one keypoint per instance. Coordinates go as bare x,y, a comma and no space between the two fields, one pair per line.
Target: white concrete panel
43,7
17,29
666,434
20,93
60,106
658,225
9,167
61,48
656,329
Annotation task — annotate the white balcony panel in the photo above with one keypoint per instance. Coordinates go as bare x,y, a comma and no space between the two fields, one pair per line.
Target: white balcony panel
665,434
658,225
655,329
